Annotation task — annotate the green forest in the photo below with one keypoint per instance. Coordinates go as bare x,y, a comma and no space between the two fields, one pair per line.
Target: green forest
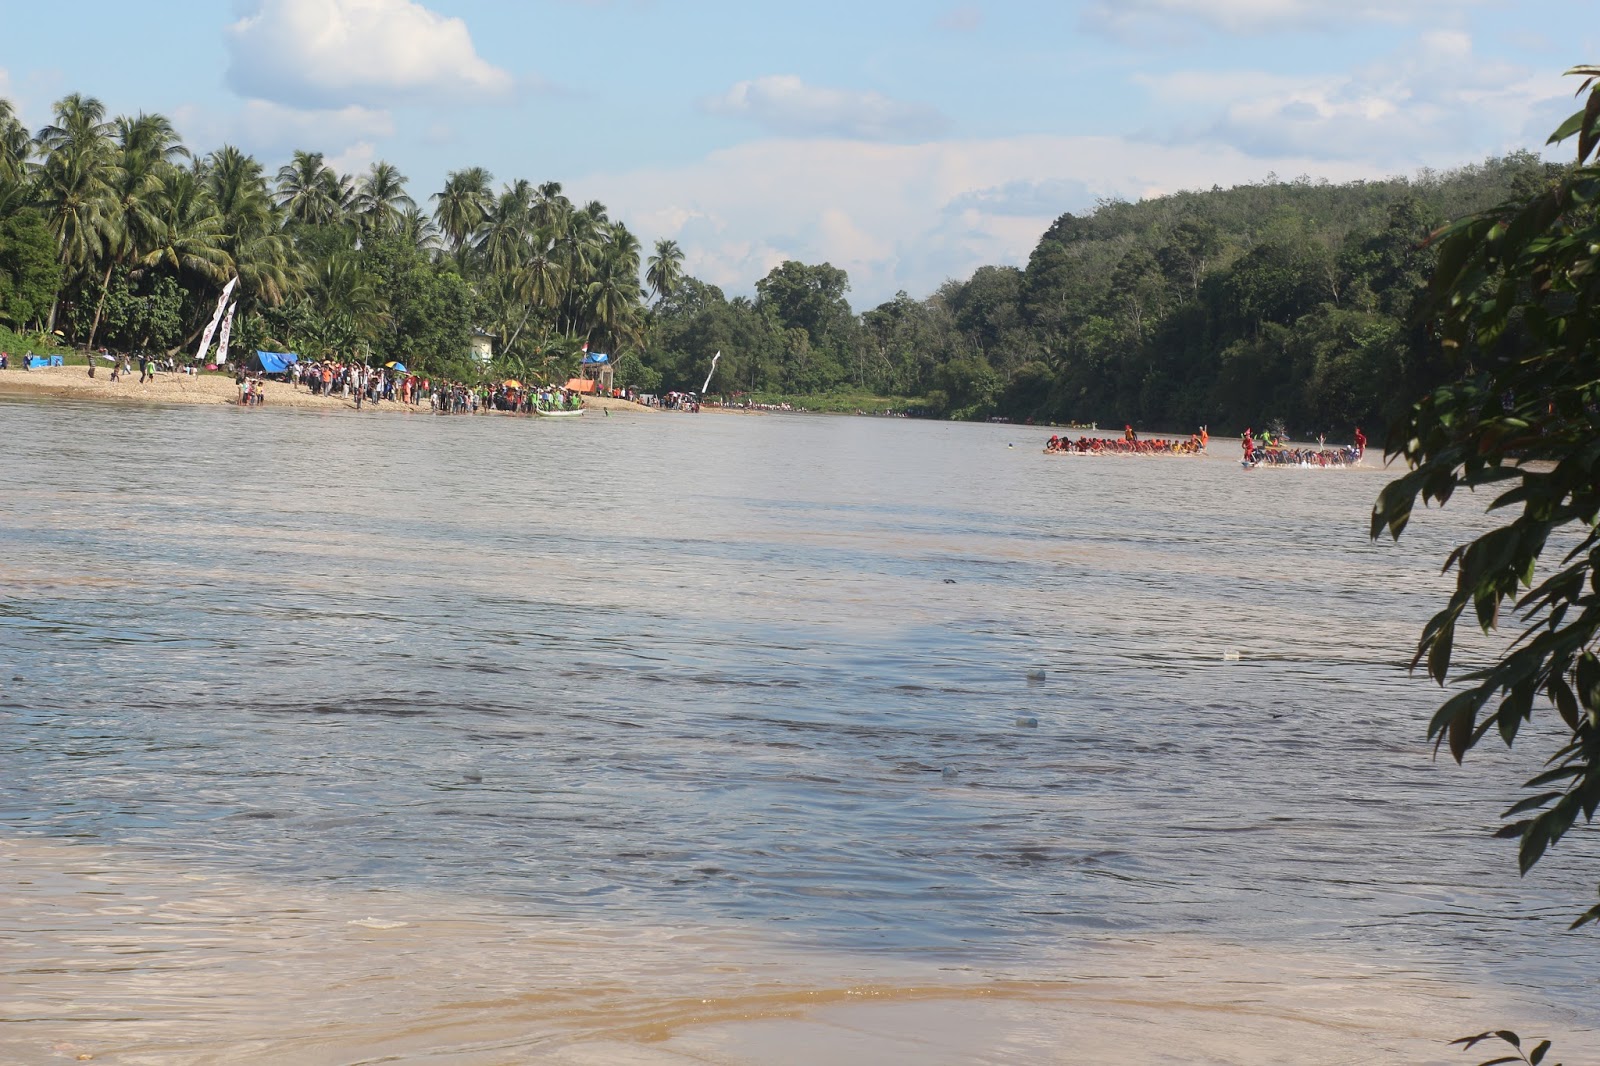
1286,302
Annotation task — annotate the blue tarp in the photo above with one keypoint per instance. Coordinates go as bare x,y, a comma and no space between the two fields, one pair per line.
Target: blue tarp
274,362
596,357
42,360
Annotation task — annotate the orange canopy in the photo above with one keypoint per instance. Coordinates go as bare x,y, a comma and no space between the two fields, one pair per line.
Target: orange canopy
580,385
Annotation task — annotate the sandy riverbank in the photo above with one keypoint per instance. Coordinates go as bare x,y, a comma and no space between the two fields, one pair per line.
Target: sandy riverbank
113,958
74,382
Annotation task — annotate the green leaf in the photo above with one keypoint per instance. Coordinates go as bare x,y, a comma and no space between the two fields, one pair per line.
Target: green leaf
1588,677
1532,803
1439,652
1587,136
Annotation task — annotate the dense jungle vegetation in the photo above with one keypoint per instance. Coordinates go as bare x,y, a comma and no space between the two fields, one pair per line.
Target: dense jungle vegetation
1287,301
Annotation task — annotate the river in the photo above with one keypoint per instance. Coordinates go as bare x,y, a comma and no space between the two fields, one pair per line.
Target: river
738,739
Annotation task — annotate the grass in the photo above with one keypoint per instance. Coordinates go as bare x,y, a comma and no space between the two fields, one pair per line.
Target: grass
39,344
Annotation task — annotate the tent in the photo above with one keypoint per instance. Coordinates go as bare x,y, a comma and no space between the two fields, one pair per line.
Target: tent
272,362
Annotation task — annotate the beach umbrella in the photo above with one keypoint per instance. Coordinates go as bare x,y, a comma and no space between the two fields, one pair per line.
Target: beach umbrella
396,366
513,383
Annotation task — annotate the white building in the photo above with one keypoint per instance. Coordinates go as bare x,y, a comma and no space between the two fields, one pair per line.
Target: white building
482,346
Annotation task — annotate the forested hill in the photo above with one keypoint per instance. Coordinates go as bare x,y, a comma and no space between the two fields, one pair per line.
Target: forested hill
1283,301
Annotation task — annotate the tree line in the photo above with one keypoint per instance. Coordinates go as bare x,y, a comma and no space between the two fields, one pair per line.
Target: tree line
1282,301
113,233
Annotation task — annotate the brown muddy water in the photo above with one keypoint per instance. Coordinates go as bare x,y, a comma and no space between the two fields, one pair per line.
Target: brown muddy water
678,739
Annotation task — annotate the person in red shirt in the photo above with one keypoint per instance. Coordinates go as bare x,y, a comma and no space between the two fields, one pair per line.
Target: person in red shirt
1361,443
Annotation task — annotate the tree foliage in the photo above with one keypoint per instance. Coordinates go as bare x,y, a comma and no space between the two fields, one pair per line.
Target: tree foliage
29,273
1514,297
110,229
1288,301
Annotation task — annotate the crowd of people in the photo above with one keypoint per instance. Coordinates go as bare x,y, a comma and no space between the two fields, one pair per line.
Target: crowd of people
1267,448
1273,450
362,384
354,382
1130,444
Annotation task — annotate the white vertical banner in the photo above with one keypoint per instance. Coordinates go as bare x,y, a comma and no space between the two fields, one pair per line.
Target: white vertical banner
227,330
216,316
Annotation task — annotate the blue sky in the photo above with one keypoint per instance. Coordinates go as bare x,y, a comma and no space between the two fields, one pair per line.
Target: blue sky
906,142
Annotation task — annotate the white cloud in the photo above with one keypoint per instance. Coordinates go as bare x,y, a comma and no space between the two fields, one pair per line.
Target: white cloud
965,19
271,131
903,216
356,159
783,104
333,53
1434,97
1143,19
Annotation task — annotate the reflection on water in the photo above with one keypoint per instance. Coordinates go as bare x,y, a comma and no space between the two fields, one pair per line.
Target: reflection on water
682,739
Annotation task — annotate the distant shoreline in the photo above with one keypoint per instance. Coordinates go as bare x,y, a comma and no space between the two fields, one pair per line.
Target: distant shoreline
74,382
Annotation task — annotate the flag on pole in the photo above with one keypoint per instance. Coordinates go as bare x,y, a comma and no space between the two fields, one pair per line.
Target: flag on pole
227,329
713,370
216,316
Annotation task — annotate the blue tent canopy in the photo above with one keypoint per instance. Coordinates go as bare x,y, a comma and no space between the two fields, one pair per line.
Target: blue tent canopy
274,362
595,357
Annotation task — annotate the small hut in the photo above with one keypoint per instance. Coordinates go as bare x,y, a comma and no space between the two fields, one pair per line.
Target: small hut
596,367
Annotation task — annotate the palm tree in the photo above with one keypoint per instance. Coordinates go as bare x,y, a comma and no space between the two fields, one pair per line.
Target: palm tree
381,198
613,302
310,192
15,146
237,187
146,147
664,270
262,254
74,182
190,241
539,282
582,249
418,230
551,210
463,206
348,302
621,246
502,241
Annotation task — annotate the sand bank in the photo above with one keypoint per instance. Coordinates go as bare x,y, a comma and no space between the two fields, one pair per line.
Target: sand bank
113,958
74,382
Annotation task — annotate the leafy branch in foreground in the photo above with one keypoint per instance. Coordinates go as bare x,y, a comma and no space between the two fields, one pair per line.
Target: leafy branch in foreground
1533,1057
1516,298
